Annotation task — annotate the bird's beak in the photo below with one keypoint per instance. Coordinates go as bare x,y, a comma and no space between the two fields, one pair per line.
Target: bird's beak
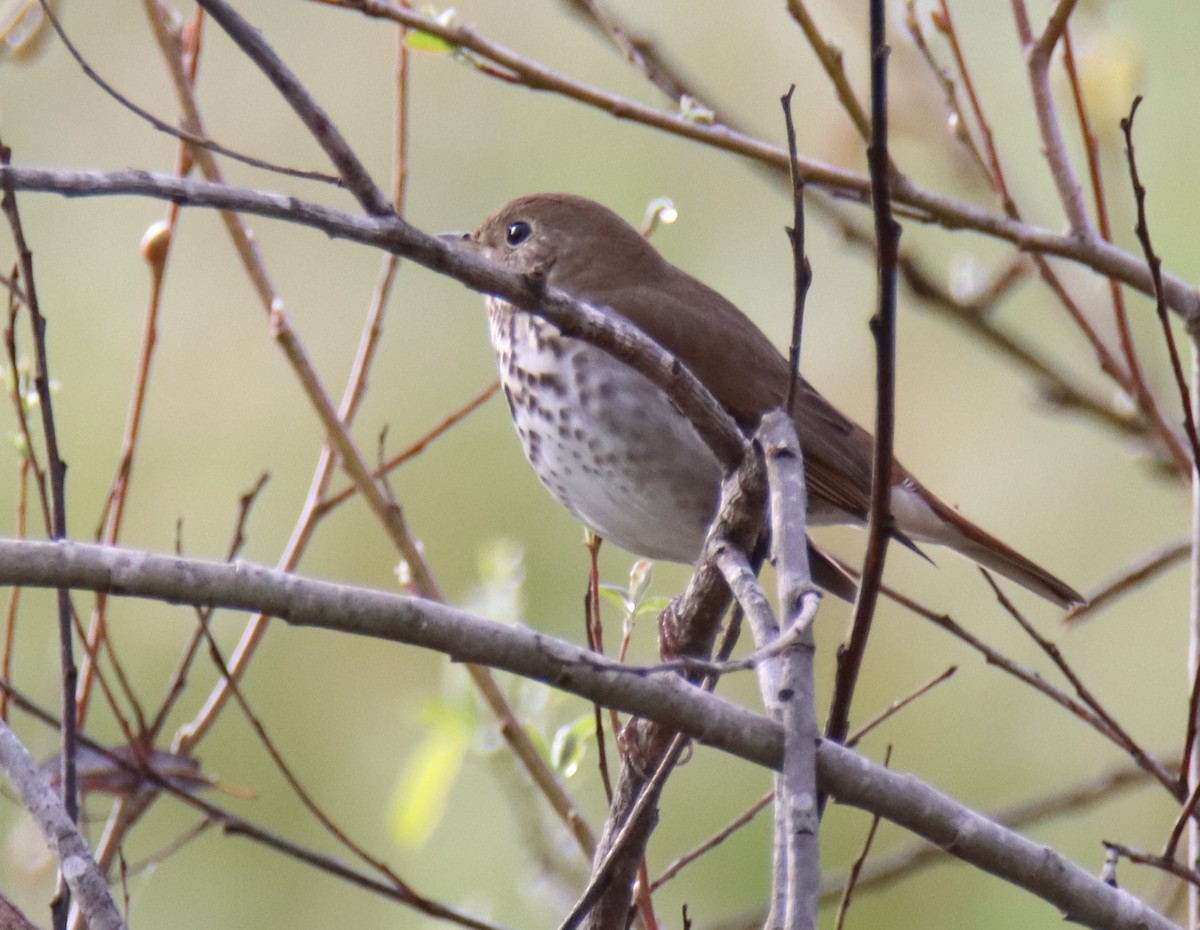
454,237
464,242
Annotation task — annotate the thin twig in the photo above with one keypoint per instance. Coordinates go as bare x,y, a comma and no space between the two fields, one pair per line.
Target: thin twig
183,791
1142,229
830,56
677,865
801,269
1138,572
1129,376
352,171
1033,679
1178,869
190,138
898,705
1120,736
883,328
57,469
416,448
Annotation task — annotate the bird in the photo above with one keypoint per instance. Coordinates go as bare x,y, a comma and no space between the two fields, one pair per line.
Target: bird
613,449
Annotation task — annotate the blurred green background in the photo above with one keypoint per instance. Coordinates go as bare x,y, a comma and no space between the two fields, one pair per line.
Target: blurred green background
224,407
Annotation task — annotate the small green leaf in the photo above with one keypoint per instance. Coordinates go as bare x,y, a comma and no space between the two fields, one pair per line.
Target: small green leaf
653,605
570,745
427,42
424,785
616,595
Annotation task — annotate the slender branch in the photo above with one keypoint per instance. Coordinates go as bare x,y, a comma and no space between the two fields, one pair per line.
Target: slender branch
1142,229
1036,681
251,42
58,828
883,329
183,789
183,135
1056,26
677,865
898,705
1138,572
58,525
1037,59
801,269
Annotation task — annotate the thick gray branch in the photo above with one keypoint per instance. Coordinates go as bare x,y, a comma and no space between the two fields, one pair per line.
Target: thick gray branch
850,778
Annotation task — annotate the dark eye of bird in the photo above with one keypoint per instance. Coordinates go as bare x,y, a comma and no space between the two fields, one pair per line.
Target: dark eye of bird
517,232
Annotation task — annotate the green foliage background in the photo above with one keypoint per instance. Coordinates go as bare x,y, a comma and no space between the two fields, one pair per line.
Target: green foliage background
224,407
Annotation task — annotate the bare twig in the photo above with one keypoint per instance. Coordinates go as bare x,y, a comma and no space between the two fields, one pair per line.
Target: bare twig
1120,736
352,171
830,56
184,791
898,705
801,269
676,866
418,446
57,469
1129,376
1142,229
1141,570
883,328
1032,678
190,138
1178,869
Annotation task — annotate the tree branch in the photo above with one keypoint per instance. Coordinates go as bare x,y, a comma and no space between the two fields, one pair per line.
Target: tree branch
850,778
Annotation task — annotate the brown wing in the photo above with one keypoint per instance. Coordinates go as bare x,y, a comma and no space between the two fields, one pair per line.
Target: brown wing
749,376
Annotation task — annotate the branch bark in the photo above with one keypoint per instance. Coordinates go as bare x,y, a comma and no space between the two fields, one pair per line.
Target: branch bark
846,776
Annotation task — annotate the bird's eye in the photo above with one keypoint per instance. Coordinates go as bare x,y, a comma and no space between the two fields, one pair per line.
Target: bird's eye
517,232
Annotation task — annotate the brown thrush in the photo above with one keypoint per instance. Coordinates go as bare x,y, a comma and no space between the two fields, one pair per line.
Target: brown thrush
611,447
